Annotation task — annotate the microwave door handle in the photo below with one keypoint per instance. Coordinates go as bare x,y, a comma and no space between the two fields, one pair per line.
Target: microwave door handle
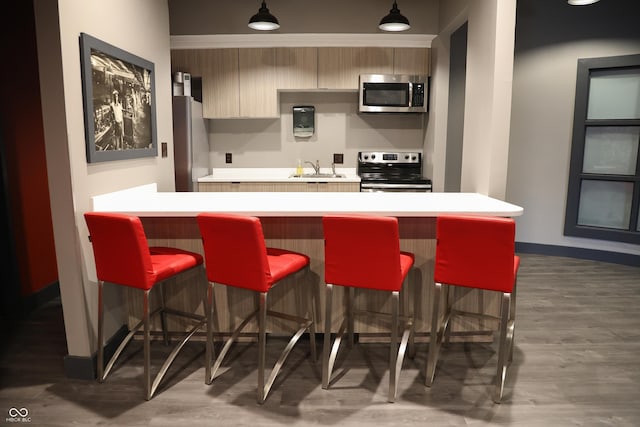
410,95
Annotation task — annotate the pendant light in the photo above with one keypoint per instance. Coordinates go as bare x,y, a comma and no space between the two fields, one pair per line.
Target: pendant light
394,21
581,2
263,20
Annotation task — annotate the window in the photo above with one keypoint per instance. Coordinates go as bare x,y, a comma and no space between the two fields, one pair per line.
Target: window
604,175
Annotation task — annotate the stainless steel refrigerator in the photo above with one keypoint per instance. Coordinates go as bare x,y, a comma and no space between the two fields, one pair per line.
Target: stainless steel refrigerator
190,143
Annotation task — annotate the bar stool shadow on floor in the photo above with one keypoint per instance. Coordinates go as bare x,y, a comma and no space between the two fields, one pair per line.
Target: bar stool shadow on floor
236,255
123,257
475,252
364,252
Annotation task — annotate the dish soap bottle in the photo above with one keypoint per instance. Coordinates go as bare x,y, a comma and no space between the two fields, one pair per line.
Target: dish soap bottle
299,170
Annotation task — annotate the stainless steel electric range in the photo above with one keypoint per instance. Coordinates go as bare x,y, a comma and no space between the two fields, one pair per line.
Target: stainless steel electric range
386,171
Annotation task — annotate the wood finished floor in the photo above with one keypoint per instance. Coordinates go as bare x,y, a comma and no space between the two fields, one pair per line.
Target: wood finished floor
576,363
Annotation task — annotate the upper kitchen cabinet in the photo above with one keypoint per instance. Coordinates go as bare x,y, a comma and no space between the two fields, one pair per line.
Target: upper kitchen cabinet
412,61
340,67
258,82
297,68
220,78
244,83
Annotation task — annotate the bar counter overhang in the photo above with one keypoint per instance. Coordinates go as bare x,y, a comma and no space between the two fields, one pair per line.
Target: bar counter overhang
293,221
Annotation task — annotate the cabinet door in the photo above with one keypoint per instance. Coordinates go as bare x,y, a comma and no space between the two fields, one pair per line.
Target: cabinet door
219,71
374,60
218,186
337,68
412,61
340,67
258,83
297,68
278,186
338,187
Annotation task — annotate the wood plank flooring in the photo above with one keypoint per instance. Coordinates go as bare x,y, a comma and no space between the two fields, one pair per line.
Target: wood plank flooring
576,363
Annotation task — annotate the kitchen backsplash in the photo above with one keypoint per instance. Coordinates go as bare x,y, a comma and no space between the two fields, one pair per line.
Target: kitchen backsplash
338,129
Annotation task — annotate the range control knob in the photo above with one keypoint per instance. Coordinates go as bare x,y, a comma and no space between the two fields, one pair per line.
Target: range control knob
406,157
413,158
373,156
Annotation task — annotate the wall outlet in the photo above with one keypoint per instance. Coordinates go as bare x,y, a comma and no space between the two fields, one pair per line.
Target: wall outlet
228,158
164,149
338,158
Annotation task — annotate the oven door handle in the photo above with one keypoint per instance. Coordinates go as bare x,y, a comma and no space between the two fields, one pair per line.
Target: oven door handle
380,186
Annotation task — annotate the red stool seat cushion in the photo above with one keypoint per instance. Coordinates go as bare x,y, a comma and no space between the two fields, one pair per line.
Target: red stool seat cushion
168,262
283,262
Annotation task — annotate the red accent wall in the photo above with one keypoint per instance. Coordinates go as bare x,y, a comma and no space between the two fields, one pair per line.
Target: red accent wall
22,125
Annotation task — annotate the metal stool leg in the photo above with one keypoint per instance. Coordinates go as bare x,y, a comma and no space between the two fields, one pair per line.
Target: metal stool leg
434,345
326,346
504,346
147,346
163,315
100,332
350,298
262,345
312,327
209,350
393,346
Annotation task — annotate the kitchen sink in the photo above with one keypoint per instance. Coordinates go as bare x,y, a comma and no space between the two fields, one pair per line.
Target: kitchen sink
319,175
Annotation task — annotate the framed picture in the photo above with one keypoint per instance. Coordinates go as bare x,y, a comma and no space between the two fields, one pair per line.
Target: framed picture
119,102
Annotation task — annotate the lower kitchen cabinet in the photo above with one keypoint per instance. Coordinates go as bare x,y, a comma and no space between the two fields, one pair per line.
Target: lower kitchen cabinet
279,186
343,187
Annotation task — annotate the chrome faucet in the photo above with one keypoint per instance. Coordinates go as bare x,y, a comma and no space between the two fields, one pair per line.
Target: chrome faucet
316,166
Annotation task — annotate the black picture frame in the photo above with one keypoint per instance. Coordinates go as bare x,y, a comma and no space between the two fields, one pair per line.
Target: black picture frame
119,95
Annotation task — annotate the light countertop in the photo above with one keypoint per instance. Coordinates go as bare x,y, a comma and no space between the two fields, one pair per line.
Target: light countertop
275,175
146,201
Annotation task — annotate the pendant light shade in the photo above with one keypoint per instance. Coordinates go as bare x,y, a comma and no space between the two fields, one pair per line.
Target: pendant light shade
263,20
581,2
394,21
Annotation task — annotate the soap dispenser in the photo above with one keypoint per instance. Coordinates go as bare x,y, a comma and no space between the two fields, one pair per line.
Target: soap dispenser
303,121
299,170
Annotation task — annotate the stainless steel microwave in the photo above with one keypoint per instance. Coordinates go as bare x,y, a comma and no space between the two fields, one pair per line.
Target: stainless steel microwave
393,93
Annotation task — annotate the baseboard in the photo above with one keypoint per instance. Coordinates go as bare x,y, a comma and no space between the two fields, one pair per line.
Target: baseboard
84,368
581,253
40,298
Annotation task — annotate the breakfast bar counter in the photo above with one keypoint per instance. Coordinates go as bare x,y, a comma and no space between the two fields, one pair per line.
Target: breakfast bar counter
293,221
146,201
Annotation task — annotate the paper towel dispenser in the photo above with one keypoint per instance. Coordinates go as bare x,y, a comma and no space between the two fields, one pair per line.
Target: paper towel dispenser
303,120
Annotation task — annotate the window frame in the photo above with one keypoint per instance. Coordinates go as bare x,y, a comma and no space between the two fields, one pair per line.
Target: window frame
580,124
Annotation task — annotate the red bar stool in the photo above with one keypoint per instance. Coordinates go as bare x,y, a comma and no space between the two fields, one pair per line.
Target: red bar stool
364,252
123,257
236,255
475,252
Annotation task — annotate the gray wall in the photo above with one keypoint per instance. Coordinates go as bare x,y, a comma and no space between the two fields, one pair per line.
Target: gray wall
338,129
455,126
550,37
144,31
298,16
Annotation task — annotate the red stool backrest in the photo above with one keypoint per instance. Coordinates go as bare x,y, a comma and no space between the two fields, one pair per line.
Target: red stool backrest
235,251
120,249
362,251
476,252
